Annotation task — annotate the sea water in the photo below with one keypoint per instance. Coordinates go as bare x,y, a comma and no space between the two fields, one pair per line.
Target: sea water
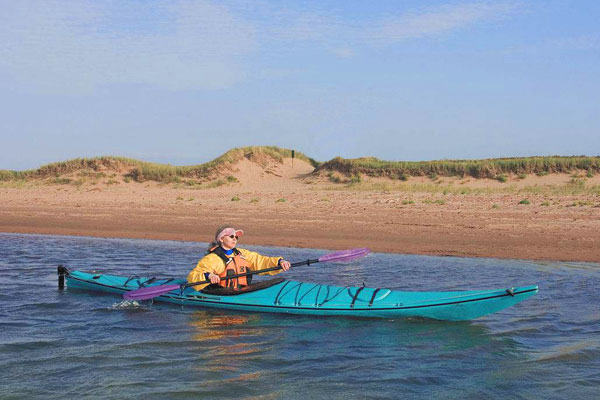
74,344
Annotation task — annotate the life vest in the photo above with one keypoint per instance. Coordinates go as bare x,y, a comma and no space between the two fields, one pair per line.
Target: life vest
233,266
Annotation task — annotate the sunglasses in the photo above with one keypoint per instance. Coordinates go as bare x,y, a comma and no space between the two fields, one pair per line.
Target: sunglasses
233,237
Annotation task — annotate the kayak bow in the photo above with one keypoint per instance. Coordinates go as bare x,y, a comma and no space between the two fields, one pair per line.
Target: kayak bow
286,296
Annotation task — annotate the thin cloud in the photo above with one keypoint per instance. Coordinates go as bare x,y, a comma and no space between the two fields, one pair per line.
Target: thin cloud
440,21
50,47
325,28
307,27
343,52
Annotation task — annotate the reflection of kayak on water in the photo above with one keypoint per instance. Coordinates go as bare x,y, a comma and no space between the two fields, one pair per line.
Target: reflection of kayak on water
293,297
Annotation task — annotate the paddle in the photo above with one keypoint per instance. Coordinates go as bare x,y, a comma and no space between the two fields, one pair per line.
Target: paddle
151,292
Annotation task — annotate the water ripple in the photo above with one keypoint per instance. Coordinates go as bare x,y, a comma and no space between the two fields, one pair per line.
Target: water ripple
83,345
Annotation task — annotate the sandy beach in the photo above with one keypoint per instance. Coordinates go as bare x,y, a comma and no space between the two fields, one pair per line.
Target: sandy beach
284,205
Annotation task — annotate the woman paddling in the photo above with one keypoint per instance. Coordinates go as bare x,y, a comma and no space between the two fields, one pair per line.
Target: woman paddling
224,259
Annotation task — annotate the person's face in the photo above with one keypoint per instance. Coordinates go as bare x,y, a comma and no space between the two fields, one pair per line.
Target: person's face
228,242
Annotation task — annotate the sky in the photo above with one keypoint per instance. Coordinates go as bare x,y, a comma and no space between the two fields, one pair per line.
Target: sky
182,81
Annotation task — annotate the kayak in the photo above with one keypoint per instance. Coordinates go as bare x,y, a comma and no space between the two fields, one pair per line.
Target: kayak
286,296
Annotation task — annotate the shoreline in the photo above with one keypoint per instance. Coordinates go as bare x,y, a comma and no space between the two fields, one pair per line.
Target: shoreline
176,238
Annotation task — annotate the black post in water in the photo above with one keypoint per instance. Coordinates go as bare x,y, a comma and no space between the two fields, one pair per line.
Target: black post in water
62,271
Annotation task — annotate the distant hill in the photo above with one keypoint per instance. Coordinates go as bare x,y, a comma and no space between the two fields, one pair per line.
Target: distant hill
140,171
86,169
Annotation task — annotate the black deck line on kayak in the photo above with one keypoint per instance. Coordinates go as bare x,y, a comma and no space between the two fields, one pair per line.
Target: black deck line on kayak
97,284
297,293
280,290
167,280
373,297
143,284
298,286
334,296
308,291
290,289
132,278
312,308
356,296
317,296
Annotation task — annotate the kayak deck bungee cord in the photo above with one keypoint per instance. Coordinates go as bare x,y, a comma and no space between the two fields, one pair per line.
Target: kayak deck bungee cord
293,297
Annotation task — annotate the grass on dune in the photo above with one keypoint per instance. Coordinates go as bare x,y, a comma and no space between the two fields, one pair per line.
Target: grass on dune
340,171
6,175
168,173
66,167
489,168
144,171
141,171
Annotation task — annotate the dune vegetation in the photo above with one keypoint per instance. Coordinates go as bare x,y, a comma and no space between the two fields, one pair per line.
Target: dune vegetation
489,168
338,170
141,171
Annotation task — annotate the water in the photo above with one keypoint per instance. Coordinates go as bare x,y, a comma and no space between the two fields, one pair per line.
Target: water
74,344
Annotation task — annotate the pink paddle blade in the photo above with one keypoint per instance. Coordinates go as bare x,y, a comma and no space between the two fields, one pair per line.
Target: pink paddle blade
149,292
345,255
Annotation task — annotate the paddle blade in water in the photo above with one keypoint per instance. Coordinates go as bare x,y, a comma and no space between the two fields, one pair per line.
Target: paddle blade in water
149,292
345,255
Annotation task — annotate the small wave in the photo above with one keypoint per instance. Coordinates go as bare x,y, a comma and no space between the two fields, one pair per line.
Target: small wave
126,305
27,344
579,351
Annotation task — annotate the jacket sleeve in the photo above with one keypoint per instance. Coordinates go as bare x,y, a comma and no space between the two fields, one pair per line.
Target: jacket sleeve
258,262
209,263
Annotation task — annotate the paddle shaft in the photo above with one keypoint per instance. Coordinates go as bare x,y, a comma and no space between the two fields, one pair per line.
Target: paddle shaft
260,271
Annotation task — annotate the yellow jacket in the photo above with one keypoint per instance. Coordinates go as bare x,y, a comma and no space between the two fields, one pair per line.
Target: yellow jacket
213,263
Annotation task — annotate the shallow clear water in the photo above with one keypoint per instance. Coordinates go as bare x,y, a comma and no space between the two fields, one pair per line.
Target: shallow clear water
75,344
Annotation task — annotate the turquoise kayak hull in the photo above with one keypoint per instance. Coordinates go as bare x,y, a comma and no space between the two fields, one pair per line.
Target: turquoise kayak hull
293,297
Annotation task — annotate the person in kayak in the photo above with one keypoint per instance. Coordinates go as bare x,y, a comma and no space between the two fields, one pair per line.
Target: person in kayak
223,259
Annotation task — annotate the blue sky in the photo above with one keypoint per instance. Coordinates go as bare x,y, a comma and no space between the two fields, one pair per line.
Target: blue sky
182,82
